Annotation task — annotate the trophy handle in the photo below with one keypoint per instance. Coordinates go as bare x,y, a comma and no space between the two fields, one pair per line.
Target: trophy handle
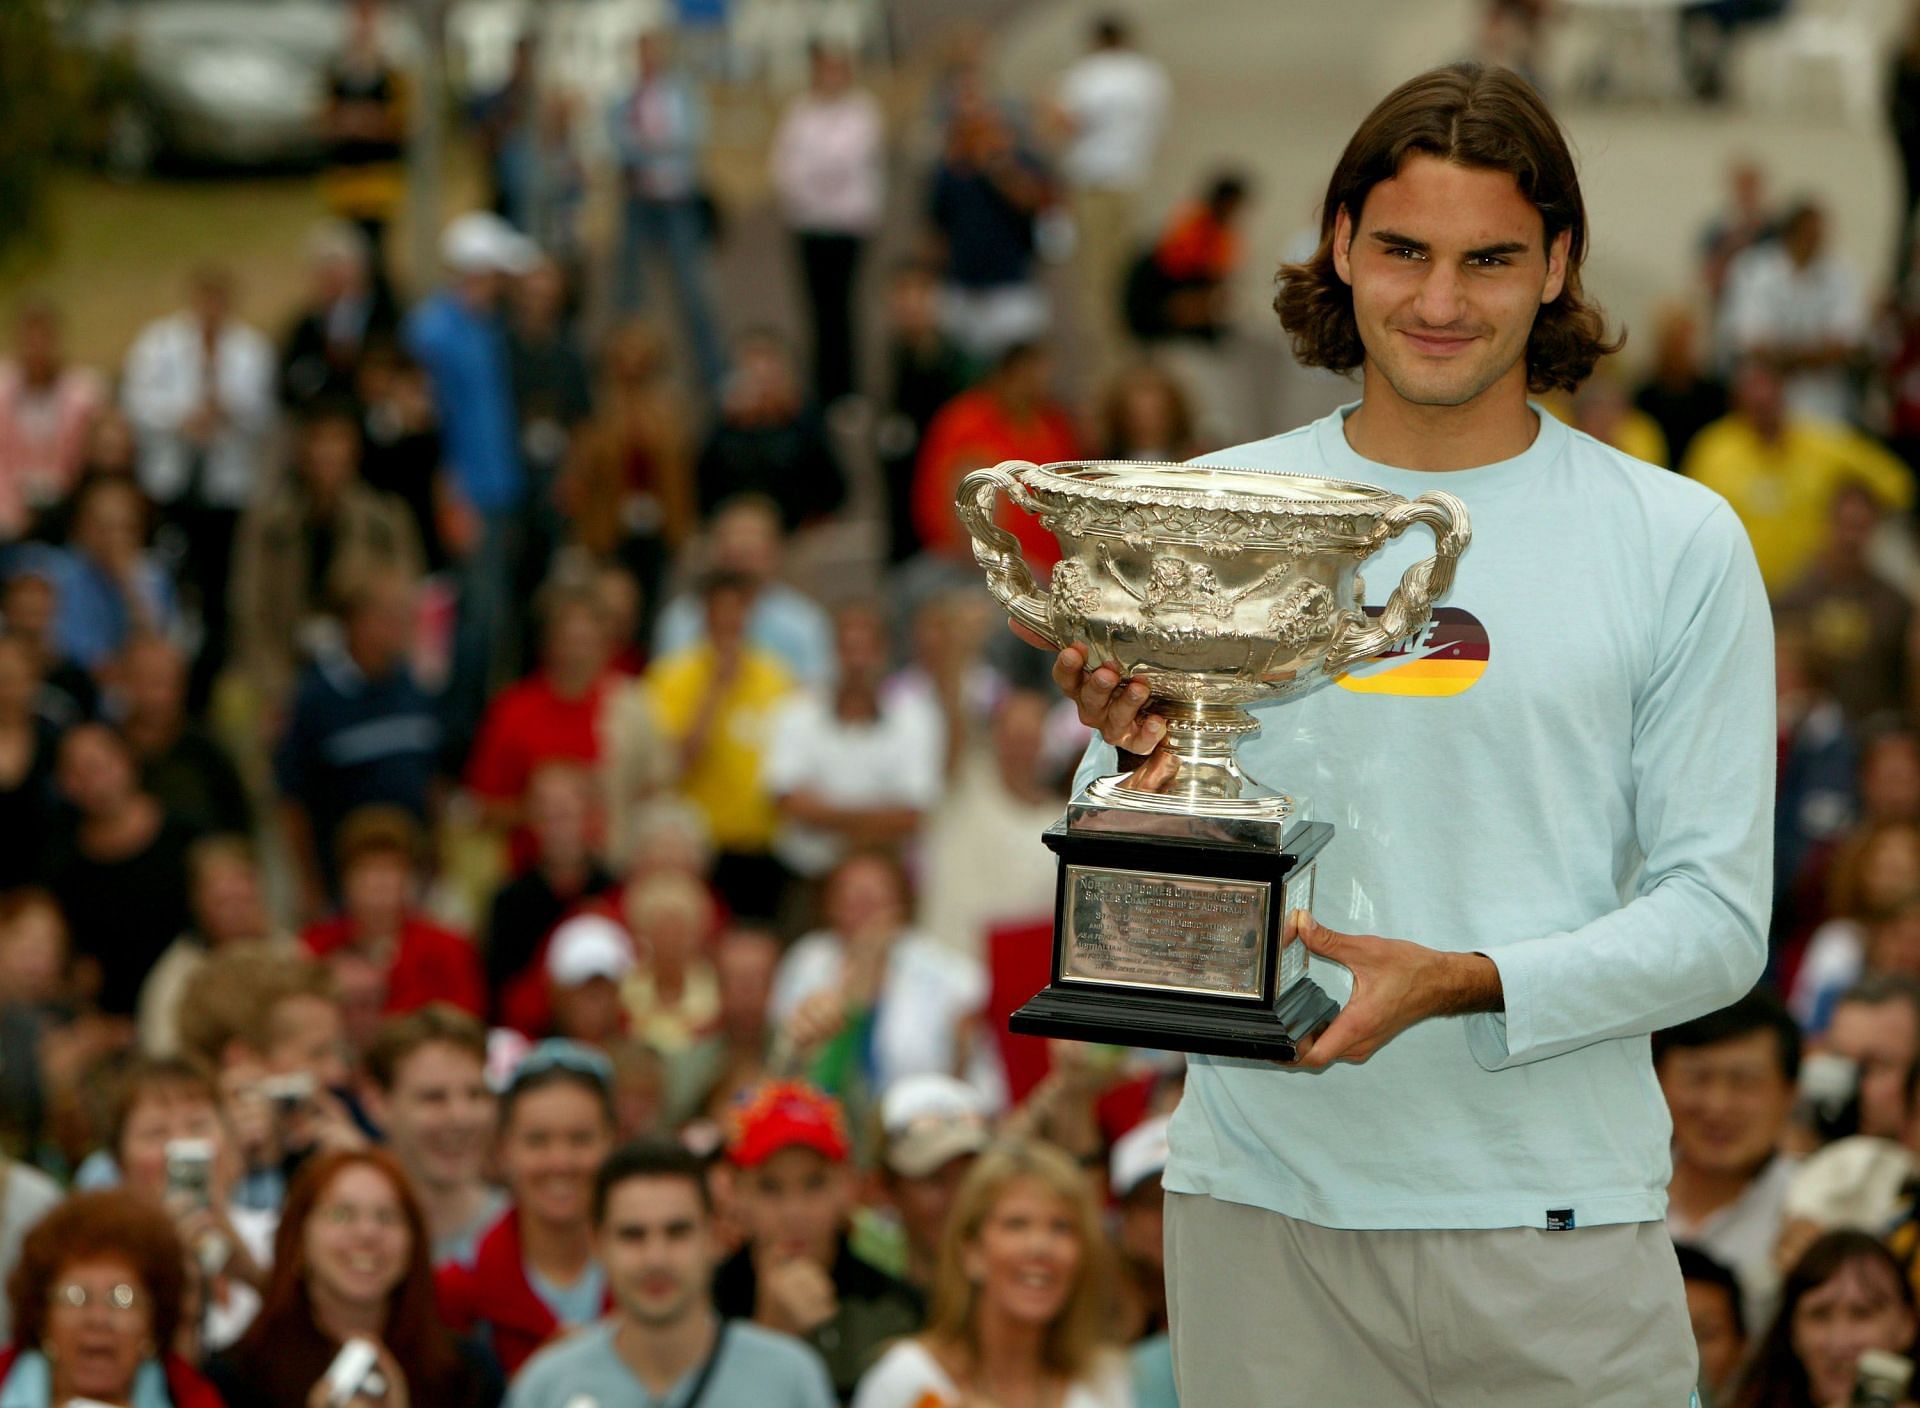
1412,601
998,551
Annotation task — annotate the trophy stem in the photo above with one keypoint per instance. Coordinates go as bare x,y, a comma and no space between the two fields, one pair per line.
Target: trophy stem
1208,779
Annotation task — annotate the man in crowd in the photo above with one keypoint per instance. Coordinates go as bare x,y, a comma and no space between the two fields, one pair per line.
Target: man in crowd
1876,1025
180,762
1718,1316
1796,304
347,310
932,1128
655,1232
770,439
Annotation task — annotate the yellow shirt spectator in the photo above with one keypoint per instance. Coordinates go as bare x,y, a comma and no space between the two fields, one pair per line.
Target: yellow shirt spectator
723,781
1782,488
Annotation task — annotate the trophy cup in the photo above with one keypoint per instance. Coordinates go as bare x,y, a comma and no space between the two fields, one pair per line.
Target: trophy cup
1223,588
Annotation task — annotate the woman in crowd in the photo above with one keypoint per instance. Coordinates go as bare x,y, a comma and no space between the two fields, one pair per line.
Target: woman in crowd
1874,871
351,1260
97,1303
534,1274
1018,1301
1843,1297
1145,415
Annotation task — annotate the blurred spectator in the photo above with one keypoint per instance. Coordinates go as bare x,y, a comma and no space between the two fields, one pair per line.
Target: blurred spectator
851,766
1876,1025
1873,872
793,1190
985,195
199,387
1010,416
744,539
428,1091
560,190
871,999
121,873
366,126
1707,31
1180,288
654,1224
1729,1080
1893,940
1145,415
98,1300
31,1196
29,602
379,851
1017,1306
180,763
1815,802
457,335
561,875
1513,35
1748,219
710,707
351,1261
361,733
704,1078
932,1128
927,371
553,395
534,1274
164,1105
623,608
828,167
1600,408
1111,105
1719,1323
107,586
658,130
672,998
29,744
223,896
400,440
1679,393
348,310
1843,1296
1859,626
949,672
46,405
632,491
588,960
1135,1168
48,1044
770,439
505,121
1781,472
1798,305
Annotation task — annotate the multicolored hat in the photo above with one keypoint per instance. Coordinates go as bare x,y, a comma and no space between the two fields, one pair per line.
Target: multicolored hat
778,1115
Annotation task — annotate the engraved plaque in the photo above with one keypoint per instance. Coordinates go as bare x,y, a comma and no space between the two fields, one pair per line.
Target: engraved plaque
1177,933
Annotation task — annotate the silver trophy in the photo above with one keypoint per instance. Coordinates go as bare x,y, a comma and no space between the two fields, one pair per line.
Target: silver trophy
1222,588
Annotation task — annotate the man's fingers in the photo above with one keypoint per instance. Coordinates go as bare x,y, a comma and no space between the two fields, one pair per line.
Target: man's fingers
1342,1035
1068,666
1156,772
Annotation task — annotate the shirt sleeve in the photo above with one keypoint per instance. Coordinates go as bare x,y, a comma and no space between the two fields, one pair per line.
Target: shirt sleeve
1694,937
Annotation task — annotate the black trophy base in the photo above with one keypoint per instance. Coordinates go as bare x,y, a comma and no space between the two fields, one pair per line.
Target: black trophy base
1164,1024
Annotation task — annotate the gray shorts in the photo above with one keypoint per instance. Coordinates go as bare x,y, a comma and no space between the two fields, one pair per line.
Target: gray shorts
1270,1312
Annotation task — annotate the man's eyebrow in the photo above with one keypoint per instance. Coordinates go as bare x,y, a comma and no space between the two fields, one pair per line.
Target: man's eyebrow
1391,240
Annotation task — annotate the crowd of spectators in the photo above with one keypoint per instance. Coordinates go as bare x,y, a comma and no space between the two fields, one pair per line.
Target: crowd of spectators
461,888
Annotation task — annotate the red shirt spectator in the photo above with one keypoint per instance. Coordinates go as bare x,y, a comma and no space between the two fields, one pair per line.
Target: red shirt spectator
430,963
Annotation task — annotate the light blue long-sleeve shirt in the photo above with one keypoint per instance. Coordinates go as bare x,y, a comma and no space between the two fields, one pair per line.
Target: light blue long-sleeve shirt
1570,771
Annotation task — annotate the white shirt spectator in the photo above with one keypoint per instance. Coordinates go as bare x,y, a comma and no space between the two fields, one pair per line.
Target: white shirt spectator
981,829
1772,303
926,1001
907,1376
1117,100
1742,1235
895,760
166,381
827,164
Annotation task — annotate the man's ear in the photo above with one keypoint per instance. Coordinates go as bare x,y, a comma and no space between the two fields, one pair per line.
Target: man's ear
1342,243
1556,266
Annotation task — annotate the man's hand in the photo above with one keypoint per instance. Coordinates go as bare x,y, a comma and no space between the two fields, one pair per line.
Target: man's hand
1106,703
1395,984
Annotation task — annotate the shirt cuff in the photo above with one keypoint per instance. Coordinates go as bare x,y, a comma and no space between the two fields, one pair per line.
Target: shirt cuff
1502,1039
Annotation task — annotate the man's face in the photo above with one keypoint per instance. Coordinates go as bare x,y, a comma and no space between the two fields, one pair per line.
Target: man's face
924,1204
1717,1334
1883,1039
656,1241
439,1114
306,1037
154,679
793,1203
1449,267
226,900
1729,1101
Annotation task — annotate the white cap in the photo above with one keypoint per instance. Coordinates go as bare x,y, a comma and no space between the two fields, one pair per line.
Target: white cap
1139,1154
480,242
1853,1182
589,946
930,1120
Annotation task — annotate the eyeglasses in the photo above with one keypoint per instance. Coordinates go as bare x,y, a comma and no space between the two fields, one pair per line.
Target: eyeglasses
120,1300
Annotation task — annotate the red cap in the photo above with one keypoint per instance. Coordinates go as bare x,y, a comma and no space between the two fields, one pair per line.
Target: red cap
778,1115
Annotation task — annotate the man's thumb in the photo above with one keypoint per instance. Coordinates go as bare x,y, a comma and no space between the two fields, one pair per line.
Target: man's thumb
1316,936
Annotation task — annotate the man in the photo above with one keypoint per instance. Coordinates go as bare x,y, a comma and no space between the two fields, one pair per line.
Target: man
1112,105
1719,1323
1876,1025
1729,1082
1574,847
770,439
1781,472
793,1195
107,586
1798,306
428,1092
656,1235
347,310
932,1128
181,764
46,409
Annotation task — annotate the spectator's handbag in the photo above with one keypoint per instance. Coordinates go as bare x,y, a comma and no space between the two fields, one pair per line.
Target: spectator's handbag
1221,588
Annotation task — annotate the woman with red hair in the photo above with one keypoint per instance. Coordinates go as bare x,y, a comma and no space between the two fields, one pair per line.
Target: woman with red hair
352,1261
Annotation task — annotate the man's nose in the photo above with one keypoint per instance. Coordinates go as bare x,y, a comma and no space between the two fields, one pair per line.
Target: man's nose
1440,302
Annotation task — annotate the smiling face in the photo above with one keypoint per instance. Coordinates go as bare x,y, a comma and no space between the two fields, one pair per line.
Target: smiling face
1729,1100
357,1239
1449,266
1856,1309
1026,1256
656,1242
99,1327
554,1141
439,1115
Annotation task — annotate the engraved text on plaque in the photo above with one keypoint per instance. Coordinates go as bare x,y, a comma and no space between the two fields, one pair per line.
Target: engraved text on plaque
1174,932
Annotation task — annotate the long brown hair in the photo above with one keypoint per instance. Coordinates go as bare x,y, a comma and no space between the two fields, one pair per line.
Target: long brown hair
1075,1338
414,1334
1472,115
1775,1377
